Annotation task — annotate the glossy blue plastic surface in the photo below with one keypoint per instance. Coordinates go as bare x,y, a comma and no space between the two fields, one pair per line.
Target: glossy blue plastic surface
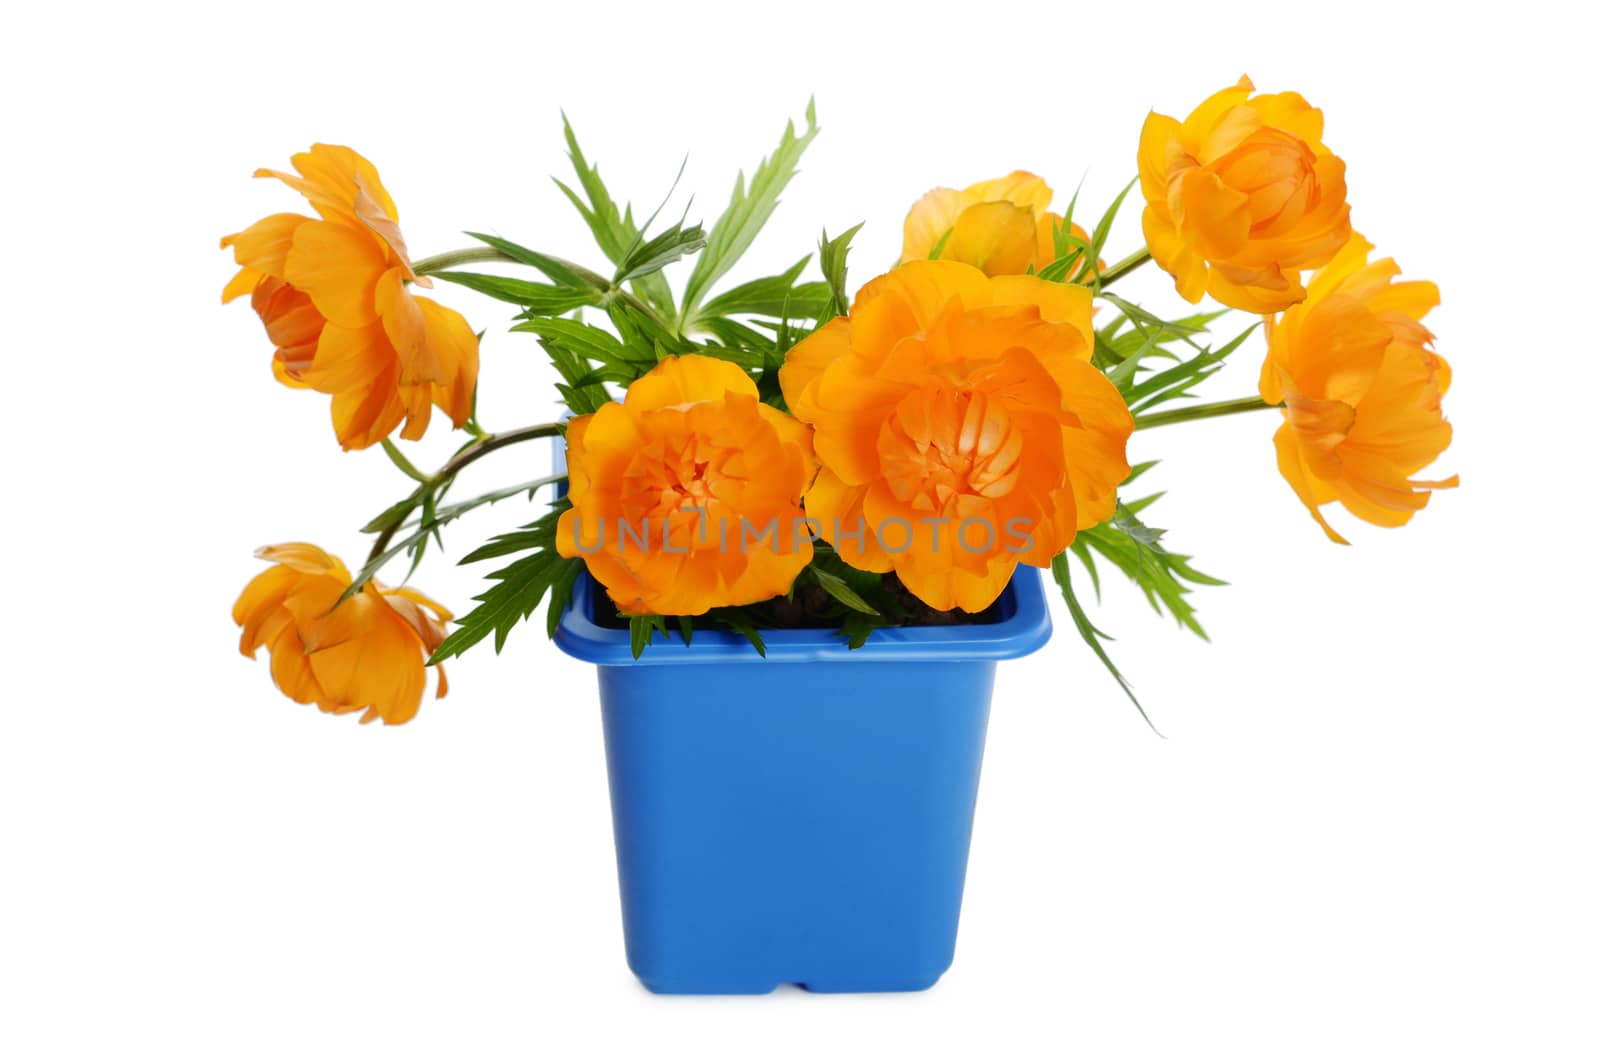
802,818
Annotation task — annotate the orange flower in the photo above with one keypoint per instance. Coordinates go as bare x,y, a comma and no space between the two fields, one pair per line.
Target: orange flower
960,427
365,654
686,495
1003,226
1242,195
334,298
1353,367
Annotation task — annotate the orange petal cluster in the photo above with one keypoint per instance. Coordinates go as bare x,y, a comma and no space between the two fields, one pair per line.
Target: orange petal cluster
960,427
686,494
1003,226
334,294
1360,386
1242,195
366,654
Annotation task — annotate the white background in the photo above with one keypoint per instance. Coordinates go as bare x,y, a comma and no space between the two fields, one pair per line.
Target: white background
1371,830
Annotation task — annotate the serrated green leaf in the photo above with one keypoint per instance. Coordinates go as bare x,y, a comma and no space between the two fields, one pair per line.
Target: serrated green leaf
833,258
542,299
771,296
1166,578
613,227
653,255
587,341
1061,568
562,272
748,210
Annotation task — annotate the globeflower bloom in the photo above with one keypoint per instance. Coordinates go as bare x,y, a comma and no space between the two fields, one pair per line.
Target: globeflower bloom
960,427
366,654
333,294
1240,196
1360,386
1002,226
686,494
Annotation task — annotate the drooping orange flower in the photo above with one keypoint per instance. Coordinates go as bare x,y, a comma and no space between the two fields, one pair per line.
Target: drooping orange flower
1242,195
686,494
366,654
1004,226
960,427
333,293
1360,386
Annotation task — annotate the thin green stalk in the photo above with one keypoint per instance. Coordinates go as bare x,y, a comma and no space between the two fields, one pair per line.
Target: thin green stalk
451,258
471,452
402,463
1123,267
1200,412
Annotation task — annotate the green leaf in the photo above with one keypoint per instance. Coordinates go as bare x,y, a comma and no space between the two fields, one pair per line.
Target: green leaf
613,228
749,360
644,335
612,231
1166,578
539,534
642,628
561,596
653,255
586,340
573,347
857,628
519,588
772,296
1102,231
1081,550
542,299
391,516
1137,470
834,253
1180,380
431,522
735,619
1061,568
747,212
562,272
840,590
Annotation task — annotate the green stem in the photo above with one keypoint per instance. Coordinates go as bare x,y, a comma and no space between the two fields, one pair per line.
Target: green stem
451,258
471,452
402,463
1123,267
1200,412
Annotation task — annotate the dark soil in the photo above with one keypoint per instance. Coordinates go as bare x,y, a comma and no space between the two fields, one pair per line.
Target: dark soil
812,608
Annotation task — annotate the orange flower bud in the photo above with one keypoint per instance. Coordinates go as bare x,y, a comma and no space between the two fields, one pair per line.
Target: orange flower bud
1003,226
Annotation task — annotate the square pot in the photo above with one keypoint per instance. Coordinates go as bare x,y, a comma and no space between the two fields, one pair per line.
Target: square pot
801,818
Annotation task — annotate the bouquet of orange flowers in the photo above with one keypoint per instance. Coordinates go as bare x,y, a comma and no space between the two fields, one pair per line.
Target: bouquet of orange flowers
776,452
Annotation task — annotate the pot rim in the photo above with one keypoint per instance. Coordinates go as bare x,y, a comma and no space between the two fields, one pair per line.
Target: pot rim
1022,628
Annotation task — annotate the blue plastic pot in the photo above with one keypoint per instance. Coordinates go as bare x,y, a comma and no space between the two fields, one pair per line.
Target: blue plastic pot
802,818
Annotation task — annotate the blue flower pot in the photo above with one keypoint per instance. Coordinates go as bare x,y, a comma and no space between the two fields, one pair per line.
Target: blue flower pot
802,818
